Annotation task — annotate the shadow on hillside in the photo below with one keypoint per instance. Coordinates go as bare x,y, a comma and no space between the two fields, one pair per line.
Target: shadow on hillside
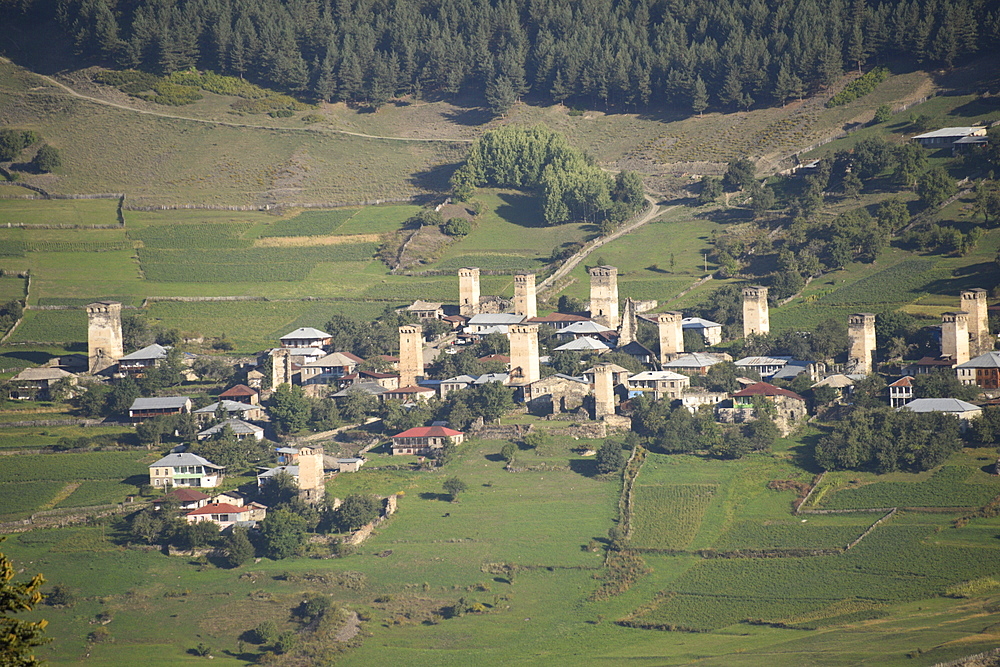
802,455
726,216
495,458
471,116
983,274
33,357
585,467
977,107
434,179
520,209
430,495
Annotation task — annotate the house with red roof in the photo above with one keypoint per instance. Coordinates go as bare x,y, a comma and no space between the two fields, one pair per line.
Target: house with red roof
422,440
901,391
188,499
789,407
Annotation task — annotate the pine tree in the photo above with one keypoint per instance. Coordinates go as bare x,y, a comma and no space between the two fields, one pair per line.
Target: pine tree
699,96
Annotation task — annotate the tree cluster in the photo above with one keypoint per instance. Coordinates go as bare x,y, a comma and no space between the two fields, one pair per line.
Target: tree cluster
572,186
718,54
674,430
883,440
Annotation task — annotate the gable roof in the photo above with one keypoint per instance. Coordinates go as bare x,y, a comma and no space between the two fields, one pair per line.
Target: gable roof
238,390
238,426
557,317
582,344
487,319
989,360
765,389
763,361
635,349
160,403
420,304
41,373
183,459
334,359
615,368
230,406
698,323
951,132
939,405
305,333
837,381
218,508
905,381
153,351
428,432
373,388
271,472
657,375
587,327
694,360
411,389
184,495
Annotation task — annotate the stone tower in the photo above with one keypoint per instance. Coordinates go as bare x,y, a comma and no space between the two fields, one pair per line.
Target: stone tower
671,333
756,317
628,331
604,295
411,354
604,391
525,301
104,335
524,353
312,484
974,303
955,336
468,291
281,367
861,352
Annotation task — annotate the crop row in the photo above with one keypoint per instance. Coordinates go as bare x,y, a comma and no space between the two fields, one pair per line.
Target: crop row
896,284
711,612
245,265
20,499
752,535
194,236
310,223
668,516
72,467
18,248
98,493
58,326
946,488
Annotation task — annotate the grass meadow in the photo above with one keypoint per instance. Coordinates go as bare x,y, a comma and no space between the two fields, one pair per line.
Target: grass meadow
434,551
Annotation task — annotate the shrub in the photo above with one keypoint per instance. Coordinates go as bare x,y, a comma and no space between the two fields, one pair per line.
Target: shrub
456,227
882,113
311,118
860,87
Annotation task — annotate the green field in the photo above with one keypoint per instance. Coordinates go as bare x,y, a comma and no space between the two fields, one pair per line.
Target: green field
434,552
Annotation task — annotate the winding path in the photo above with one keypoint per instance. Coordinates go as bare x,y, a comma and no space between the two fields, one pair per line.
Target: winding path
96,100
653,211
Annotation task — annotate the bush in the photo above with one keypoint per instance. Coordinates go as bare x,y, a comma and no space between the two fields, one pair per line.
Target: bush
882,114
266,632
456,227
860,87
281,113
311,118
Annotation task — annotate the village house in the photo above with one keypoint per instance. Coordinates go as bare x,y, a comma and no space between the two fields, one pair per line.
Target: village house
639,352
558,321
426,310
329,369
658,385
763,366
926,365
423,440
240,429
241,394
694,363
619,374
34,383
584,344
983,371
455,383
947,136
901,391
710,332
556,394
242,411
184,469
789,407
147,408
306,337
137,363
496,358
964,412
352,464
589,329
225,515
372,388
186,499
843,384
410,394
486,323
384,380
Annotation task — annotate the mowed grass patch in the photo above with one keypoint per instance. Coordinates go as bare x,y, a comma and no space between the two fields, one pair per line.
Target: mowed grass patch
34,437
59,211
310,223
228,235
74,467
52,326
794,534
668,516
377,219
947,487
19,499
98,493
11,287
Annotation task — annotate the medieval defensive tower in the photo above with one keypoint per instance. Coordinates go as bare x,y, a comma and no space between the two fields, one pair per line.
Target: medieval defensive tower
756,317
604,296
974,303
411,354
955,336
861,349
525,300
524,354
671,332
104,335
468,291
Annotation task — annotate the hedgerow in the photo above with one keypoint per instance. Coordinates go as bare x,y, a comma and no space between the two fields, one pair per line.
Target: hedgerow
860,87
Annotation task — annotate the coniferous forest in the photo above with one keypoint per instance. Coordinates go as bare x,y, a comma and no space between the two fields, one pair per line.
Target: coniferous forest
622,55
